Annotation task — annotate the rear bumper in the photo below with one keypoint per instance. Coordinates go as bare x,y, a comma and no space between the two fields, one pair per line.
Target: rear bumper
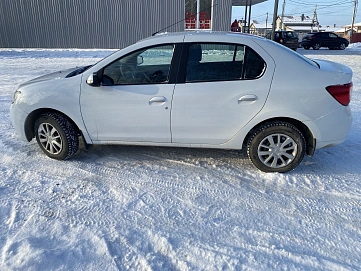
332,129
293,46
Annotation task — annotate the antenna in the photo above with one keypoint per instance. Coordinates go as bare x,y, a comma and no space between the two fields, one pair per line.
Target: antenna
183,19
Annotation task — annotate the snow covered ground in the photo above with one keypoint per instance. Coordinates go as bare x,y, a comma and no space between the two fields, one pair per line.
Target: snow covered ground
152,208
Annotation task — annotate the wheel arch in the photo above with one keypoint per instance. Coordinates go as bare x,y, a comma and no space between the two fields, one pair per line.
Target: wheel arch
306,132
32,117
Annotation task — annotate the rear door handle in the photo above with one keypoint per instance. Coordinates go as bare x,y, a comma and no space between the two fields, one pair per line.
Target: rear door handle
247,98
157,100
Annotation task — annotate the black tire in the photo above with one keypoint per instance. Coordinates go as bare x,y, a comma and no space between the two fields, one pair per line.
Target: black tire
56,136
342,46
279,158
306,47
316,46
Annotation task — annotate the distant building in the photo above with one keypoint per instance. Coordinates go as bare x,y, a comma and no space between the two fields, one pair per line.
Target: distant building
356,36
302,24
260,29
106,23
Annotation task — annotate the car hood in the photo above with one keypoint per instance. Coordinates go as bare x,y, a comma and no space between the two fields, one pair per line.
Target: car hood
51,76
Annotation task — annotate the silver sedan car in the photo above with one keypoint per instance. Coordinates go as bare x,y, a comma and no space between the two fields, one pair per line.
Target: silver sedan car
204,90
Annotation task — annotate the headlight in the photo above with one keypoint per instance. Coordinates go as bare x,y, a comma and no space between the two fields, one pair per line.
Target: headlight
16,95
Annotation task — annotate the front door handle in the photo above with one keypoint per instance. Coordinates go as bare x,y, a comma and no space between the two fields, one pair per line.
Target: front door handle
157,100
247,98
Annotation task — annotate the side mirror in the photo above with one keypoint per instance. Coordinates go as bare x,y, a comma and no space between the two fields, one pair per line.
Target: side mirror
93,80
140,60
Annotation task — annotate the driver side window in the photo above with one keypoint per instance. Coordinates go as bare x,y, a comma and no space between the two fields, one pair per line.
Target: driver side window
146,66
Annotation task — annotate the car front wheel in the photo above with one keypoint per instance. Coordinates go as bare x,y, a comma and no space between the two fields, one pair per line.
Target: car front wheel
276,147
306,47
56,136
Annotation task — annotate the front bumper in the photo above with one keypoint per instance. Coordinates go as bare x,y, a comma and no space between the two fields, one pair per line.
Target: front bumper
18,118
305,43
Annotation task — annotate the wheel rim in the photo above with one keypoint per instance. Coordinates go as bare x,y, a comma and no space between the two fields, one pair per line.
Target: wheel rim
277,150
50,138
342,46
316,47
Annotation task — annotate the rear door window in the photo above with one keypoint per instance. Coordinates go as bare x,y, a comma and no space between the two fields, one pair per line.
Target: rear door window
222,62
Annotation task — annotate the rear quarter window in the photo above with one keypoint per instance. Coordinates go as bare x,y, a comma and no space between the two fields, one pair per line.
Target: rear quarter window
254,65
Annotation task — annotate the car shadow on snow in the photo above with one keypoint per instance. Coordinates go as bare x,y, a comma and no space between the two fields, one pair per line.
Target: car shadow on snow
335,161
190,156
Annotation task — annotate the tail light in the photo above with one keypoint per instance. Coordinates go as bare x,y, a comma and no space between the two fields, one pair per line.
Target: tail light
281,40
342,93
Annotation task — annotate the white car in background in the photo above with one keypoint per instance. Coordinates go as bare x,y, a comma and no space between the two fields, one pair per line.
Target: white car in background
204,90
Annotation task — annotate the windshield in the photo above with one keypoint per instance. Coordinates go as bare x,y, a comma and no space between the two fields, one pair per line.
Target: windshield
308,35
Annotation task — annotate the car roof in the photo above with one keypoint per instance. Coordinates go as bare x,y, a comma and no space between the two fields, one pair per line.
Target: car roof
202,33
321,32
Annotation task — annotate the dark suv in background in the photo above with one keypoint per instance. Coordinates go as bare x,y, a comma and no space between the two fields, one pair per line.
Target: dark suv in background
324,39
286,38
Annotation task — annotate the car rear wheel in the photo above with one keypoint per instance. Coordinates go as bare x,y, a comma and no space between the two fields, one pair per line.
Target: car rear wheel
306,47
316,46
342,46
276,147
56,136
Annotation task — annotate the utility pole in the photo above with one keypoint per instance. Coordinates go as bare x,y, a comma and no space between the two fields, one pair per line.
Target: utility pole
275,10
313,20
198,12
249,17
245,18
266,20
353,20
283,14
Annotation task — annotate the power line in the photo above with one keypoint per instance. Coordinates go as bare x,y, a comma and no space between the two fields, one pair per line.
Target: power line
323,5
332,12
310,10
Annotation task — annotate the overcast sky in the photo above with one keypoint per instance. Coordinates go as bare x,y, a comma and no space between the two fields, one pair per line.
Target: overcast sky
328,12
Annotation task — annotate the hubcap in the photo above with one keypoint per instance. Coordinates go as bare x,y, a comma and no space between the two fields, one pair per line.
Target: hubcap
50,138
277,150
